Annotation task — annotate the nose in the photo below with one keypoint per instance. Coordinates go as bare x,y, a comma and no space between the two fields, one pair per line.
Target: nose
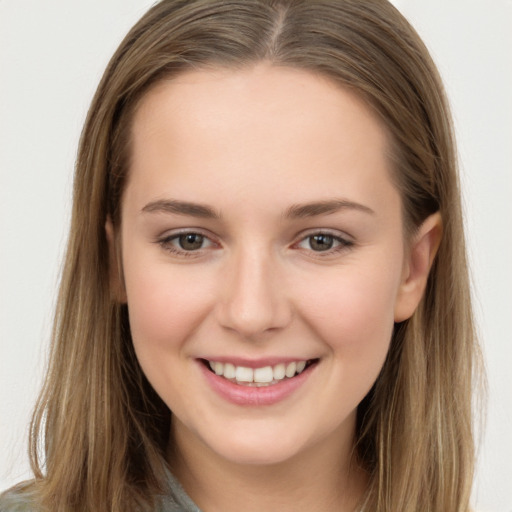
253,298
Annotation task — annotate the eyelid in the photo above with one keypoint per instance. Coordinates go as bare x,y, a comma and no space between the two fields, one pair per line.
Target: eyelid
335,233
346,241
168,237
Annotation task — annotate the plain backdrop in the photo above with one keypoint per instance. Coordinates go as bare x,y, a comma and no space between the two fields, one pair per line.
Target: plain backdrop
52,55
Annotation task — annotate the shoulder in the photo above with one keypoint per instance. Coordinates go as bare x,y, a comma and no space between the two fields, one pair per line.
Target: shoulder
19,498
176,500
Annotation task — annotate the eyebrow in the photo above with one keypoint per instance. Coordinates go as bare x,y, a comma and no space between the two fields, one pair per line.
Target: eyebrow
299,211
296,211
181,208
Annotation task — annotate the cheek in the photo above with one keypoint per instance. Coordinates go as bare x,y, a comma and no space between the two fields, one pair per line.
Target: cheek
354,319
165,305
353,312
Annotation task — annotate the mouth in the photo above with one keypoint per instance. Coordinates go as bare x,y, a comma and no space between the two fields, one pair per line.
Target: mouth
258,377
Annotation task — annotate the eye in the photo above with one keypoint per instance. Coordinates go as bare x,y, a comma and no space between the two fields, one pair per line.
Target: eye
190,241
186,243
324,242
320,242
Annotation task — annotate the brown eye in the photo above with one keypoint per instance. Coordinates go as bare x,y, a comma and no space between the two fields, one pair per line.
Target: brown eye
321,242
327,243
191,241
187,244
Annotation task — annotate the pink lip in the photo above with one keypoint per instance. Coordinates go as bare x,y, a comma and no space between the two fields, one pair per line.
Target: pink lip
254,396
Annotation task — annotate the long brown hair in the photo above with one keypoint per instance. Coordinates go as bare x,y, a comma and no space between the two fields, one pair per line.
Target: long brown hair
99,431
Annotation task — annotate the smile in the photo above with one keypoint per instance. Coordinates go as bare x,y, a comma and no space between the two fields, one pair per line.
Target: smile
251,384
258,377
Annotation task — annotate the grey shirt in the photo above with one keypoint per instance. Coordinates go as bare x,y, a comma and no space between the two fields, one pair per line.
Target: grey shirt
176,500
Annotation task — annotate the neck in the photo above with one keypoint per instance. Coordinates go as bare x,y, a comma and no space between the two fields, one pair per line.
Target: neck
322,478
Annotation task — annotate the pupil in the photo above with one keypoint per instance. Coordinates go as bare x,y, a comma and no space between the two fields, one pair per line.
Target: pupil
191,241
321,242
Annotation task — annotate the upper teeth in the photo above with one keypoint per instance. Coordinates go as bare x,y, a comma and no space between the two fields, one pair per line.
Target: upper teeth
263,375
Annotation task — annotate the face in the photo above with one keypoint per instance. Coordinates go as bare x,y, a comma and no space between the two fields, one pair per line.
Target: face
263,258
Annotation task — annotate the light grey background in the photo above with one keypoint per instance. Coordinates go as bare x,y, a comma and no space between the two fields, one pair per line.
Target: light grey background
52,55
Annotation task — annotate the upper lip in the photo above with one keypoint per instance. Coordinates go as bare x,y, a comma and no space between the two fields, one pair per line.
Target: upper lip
255,363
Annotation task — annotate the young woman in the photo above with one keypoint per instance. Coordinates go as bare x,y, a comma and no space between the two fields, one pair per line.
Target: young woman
265,300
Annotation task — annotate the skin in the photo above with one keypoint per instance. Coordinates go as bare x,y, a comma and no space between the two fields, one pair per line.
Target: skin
251,144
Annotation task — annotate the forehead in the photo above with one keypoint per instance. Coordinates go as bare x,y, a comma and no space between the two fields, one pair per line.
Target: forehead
253,130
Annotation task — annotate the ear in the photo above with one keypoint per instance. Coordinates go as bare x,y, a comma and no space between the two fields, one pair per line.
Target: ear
417,264
116,281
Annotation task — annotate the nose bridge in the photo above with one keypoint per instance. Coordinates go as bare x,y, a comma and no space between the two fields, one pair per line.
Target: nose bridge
253,301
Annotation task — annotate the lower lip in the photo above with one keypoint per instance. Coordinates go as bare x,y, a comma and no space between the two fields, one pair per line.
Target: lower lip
254,396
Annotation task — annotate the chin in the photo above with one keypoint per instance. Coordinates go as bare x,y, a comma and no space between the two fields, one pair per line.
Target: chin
258,447
256,455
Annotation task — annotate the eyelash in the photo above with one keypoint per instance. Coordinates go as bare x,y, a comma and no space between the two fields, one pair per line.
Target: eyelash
166,244
343,244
